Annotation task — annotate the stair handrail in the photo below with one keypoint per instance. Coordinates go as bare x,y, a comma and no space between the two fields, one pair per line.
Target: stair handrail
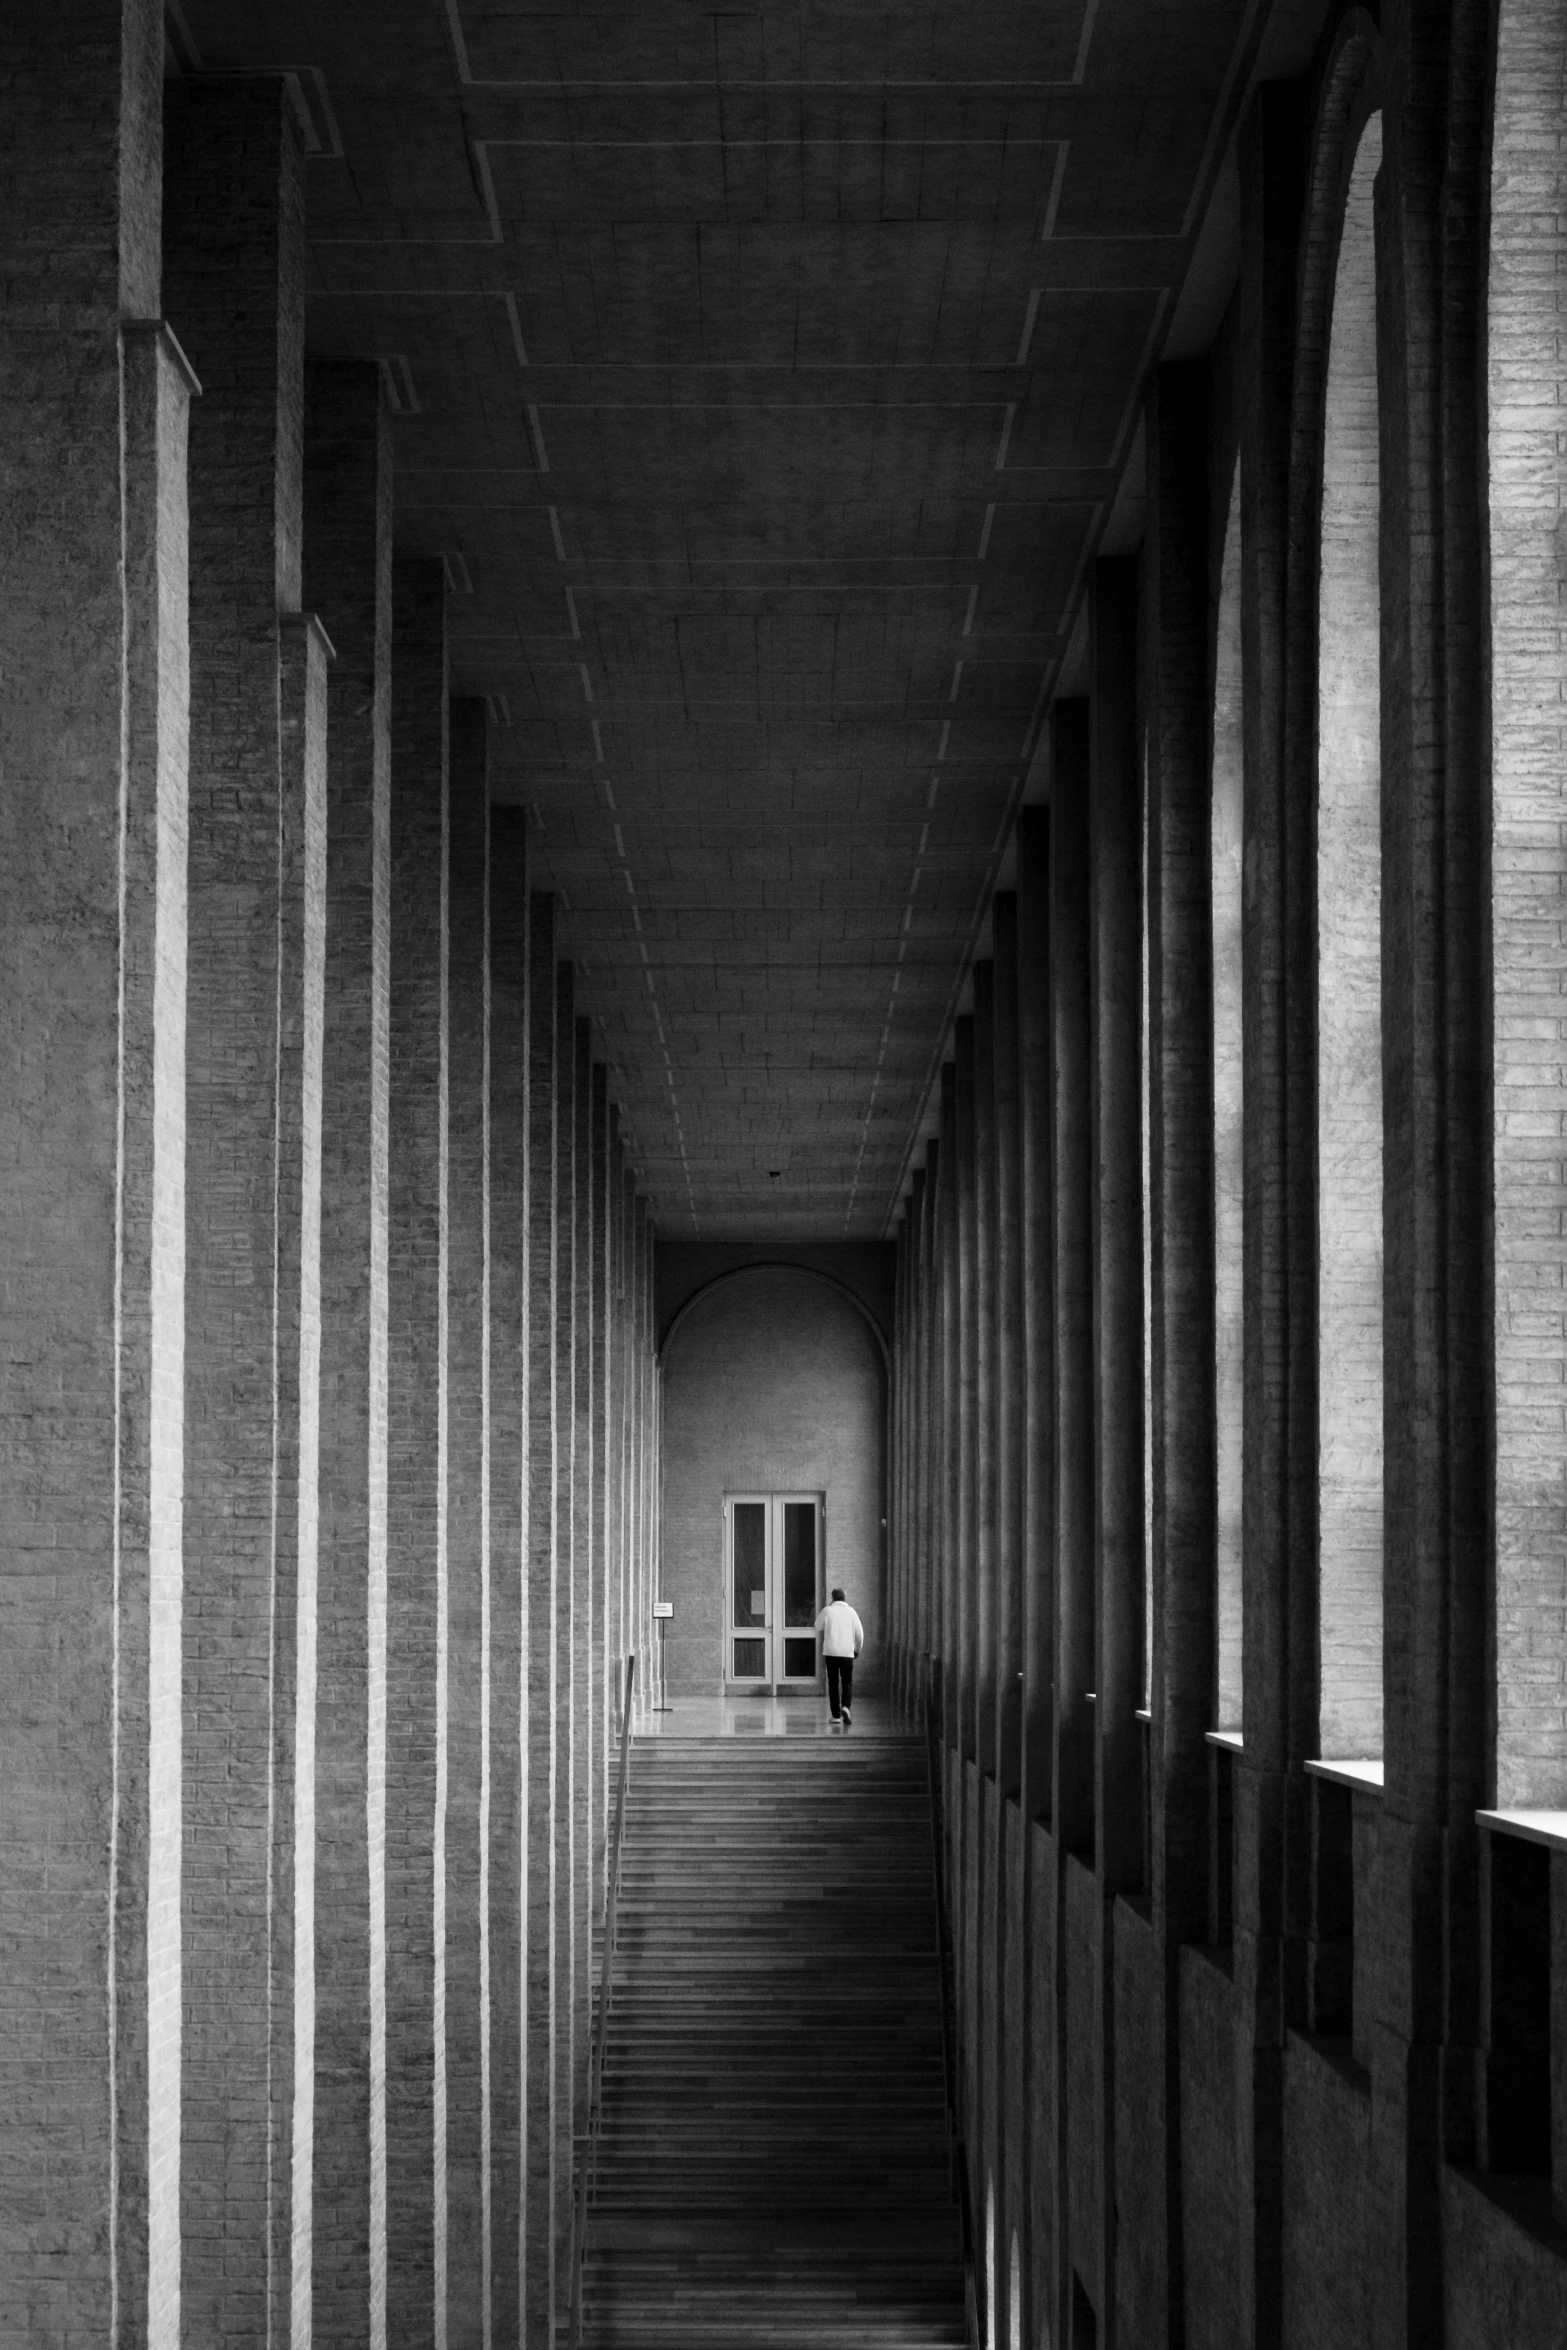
589,2160
957,2151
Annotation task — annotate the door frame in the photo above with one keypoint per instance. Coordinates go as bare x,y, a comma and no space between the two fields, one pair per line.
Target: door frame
773,1682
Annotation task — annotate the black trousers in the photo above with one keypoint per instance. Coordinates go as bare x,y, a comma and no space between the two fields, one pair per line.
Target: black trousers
840,1682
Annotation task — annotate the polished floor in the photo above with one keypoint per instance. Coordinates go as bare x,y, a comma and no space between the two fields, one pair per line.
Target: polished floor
770,1717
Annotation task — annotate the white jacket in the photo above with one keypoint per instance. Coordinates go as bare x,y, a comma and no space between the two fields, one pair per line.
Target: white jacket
842,1632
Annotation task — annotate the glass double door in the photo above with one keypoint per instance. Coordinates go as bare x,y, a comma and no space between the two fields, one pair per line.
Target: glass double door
772,1587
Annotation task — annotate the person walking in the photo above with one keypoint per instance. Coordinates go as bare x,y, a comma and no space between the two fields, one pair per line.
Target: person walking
843,1636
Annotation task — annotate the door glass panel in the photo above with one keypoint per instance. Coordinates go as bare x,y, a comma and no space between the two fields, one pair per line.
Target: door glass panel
799,1563
800,1659
750,1658
750,1572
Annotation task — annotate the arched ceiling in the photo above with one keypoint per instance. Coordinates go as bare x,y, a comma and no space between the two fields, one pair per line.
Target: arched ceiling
765,374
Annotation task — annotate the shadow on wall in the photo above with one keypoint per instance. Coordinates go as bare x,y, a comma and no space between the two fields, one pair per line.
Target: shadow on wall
773,1382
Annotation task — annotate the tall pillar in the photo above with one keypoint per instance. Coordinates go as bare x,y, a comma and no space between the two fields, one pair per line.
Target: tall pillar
471,1754
931,1416
584,1684
949,1386
601,1662
1071,1156
418,1473
507,1886
543,1744
1272,1903
1183,1514
348,581
1115,884
1011,1372
93,715
234,281
983,1568
567,1710
1035,1061
966,1164
1180,922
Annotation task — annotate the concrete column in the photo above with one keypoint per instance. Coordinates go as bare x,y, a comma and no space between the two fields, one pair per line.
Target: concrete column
348,580
93,717
234,280
1035,1123
1115,882
419,1467
543,1751
471,1752
507,1885
566,1709
986,1399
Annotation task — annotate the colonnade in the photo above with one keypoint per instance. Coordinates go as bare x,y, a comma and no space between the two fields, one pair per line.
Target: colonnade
329,1499
1255,1981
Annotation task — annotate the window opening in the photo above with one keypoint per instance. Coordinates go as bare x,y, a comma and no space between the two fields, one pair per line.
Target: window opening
1349,1000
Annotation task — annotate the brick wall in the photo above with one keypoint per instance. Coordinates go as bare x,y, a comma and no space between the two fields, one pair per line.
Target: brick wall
772,1383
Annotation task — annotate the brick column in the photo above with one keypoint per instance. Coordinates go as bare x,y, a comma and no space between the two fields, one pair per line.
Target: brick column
1011,1375
301,1043
507,1882
948,1514
927,1617
1072,1811
1183,1501
1272,1816
543,1746
566,1709
601,1665
1115,882
584,1682
1071,1203
418,1474
470,1752
234,280
92,953
965,1398
348,580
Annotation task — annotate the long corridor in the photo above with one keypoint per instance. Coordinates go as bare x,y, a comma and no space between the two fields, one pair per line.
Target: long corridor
773,2160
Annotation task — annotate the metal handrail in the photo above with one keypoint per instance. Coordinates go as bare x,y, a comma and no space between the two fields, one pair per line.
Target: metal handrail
601,2020
957,2151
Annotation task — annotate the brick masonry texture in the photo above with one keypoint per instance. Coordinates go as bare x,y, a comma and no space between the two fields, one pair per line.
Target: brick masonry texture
773,1383
234,280
94,750
393,1269
418,1426
347,576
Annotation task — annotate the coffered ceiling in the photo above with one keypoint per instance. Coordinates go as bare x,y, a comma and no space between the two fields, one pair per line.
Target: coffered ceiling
765,374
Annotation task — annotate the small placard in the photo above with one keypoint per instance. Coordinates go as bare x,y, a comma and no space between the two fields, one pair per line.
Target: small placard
758,1603
663,1608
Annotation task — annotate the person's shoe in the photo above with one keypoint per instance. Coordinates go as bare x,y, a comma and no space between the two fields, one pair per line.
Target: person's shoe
846,1717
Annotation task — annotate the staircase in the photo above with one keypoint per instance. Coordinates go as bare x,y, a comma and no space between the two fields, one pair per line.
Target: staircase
772,2165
